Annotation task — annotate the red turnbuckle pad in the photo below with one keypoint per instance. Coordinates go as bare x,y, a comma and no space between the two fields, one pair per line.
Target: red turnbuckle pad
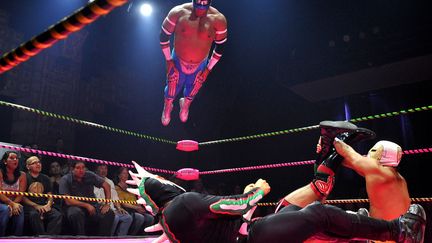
187,145
188,174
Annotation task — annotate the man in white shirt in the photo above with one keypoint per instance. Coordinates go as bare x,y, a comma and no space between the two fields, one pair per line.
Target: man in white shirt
122,219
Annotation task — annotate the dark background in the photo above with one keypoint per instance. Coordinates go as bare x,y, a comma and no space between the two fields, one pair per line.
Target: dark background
273,46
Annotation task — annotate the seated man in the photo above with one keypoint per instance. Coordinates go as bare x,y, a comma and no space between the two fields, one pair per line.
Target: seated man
122,219
42,217
80,182
383,181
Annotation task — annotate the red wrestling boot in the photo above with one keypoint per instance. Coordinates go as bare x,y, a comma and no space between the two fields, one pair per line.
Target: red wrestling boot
184,108
166,113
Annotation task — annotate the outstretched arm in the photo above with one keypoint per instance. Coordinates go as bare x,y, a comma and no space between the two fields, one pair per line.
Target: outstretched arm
353,160
221,34
167,28
241,204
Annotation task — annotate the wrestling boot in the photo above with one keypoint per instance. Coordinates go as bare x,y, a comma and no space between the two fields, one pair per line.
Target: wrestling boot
351,138
363,211
166,113
412,225
324,179
328,131
184,108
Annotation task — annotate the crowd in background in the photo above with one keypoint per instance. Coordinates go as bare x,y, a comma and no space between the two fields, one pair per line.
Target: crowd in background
34,216
26,215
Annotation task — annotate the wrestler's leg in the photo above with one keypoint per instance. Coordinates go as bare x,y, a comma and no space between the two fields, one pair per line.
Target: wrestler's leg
297,226
174,82
331,219
191,88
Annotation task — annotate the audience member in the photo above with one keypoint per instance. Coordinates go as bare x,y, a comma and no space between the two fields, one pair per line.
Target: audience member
79,214
11,179
122,219
198,186
141,218
38,210
55,176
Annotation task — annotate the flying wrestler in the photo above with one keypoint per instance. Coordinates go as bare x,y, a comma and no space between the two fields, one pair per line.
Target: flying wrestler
195,26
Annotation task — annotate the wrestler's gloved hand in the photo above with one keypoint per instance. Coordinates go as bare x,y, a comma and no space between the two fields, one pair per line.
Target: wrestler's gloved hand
263,185
249,188
154,228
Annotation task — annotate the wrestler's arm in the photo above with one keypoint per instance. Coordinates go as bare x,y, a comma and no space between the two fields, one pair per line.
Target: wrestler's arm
167,28
355,161
221,36
22,187
241,204
3,197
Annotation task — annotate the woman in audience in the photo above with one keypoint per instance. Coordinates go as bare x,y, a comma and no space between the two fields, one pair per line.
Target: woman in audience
141,218
11,179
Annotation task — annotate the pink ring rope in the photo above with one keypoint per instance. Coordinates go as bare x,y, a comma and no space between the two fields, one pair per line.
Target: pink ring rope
258,167
73,157
239,169
288,164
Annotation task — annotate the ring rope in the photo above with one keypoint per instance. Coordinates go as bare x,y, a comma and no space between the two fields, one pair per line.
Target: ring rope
257,167
347,201
308,128
288,164
250,137
73,157
88,199
239,169
74,22
263,204
86,123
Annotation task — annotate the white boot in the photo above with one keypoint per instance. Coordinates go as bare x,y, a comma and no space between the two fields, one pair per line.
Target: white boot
166,113
184,108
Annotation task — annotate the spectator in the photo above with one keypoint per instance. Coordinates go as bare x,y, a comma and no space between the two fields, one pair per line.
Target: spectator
38,210
141,218
55,176
237,190
122,219
198,186
23,156
80,182
11,179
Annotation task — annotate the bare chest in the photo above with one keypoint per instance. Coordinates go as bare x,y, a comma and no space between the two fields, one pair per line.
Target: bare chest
200,27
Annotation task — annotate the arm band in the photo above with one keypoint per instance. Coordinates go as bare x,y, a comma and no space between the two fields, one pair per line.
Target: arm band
165,43
217,53
167,52
164,36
